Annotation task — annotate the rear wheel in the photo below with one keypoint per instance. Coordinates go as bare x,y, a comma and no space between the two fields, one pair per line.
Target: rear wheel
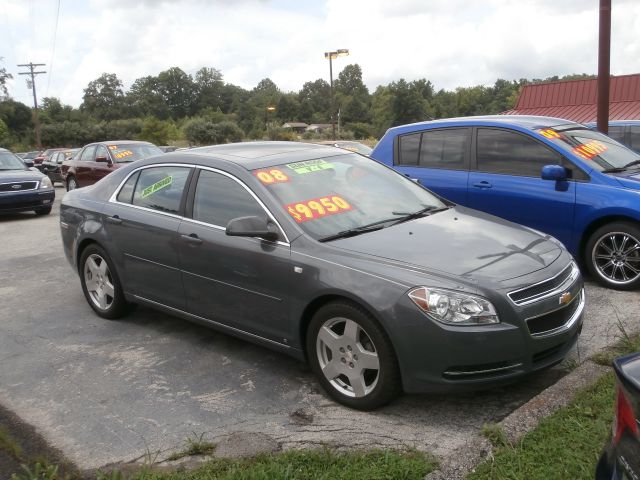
352,356
612,255
71,184
100,283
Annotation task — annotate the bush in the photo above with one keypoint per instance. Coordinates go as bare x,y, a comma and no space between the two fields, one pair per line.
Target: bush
200,131
4,134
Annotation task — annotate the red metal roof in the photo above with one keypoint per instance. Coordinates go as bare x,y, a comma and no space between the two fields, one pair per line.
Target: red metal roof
577,99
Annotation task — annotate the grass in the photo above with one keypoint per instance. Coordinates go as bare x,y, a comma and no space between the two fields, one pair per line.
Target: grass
195,446
320,464
9,445
567,444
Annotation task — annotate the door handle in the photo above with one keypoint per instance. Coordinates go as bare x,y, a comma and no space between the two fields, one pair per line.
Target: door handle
483,184
191,239
116,220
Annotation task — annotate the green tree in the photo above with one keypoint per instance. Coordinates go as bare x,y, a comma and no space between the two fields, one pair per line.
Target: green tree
209,89
4,76
349,82
407,104
315,98
16,115
288,108
178,91
104,98
155,131
144,99
4,135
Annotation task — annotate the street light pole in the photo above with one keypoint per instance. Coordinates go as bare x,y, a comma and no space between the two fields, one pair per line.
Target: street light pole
341,52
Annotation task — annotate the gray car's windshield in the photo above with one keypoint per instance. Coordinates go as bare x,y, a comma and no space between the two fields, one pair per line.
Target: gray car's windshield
345,195
9,161
598,150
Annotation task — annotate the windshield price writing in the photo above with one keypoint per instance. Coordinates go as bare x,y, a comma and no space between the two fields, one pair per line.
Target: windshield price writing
318,208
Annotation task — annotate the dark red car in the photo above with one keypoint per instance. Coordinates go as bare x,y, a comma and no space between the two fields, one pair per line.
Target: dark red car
99,159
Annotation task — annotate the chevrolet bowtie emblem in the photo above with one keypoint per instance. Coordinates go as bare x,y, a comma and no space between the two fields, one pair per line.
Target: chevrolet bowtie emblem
564,298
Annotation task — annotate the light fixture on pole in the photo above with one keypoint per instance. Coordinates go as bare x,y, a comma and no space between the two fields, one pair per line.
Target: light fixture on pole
341,52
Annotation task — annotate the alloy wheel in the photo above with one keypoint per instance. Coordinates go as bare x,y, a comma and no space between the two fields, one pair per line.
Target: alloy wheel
616,257
347,357
99,282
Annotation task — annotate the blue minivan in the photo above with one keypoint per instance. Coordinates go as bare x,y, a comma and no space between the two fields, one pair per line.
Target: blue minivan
550,174
627,132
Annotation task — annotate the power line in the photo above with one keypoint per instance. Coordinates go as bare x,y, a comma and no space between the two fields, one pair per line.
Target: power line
33,73
53,49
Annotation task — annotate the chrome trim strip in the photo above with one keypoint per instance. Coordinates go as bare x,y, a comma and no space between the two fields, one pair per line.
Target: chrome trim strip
490,370
567,326
549,293
221,326
151,261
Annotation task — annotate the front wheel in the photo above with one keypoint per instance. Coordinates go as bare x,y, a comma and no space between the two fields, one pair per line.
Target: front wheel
352,356
612,255
100,283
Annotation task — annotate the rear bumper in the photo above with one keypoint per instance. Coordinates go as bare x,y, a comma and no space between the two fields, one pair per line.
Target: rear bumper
25,201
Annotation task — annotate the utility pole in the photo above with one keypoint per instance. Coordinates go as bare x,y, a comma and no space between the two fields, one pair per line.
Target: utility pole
32,82
604,53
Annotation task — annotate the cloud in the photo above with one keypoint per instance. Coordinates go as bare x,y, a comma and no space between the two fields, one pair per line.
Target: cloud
450,42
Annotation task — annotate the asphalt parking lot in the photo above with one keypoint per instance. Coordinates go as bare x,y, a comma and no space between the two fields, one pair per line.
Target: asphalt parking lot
113,391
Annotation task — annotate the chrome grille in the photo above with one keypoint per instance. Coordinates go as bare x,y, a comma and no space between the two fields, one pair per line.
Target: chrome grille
18,186
546,288
555,320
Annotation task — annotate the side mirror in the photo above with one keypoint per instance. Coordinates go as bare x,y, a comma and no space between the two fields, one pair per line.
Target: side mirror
103,159
554,172
252,227
28,163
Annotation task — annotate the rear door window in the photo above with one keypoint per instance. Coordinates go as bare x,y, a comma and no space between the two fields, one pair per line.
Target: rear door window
511,153
219,198
408,149
161,188
444,149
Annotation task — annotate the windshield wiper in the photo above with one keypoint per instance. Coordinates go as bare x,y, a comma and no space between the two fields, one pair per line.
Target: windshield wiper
622,169
352,232
430,209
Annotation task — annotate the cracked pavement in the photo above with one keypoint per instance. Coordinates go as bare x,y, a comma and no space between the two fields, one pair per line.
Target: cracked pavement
115,391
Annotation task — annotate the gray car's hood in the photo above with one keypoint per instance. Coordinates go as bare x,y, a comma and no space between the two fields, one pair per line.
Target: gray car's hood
462,242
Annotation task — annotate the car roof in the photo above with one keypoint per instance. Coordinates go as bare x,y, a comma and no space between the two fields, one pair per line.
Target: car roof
106,142
252,155
530,122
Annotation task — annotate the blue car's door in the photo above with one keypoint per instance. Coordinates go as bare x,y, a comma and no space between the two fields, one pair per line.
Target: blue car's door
438,159
507,183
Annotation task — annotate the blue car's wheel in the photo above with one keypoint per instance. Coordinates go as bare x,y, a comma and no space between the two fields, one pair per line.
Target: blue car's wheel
613,255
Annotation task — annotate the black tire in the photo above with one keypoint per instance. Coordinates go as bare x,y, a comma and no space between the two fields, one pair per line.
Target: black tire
115,304
43,211
379,386
612,255
72,183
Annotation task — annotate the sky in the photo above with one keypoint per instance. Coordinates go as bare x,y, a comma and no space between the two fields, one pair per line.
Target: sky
453,43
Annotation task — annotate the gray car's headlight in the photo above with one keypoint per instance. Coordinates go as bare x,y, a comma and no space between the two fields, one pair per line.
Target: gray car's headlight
454,308
45,182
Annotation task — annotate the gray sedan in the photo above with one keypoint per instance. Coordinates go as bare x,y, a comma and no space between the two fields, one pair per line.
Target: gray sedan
332,258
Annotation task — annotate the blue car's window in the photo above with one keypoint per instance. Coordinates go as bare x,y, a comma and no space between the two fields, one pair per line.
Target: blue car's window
408,149
444,148
502,151
329,195
160,188
219,199
597,150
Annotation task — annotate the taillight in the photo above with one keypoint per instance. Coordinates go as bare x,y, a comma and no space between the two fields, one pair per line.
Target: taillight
625,419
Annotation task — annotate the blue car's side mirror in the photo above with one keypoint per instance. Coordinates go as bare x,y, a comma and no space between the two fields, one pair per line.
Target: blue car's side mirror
554,172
